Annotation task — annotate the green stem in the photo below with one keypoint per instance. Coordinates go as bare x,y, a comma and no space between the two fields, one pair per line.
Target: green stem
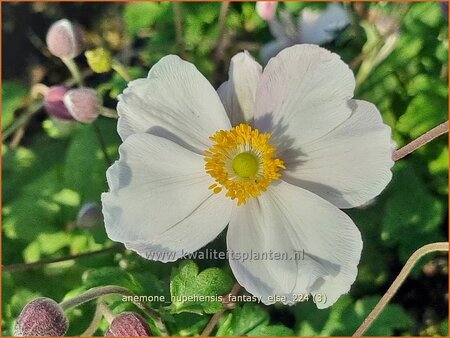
27,266
102,144
441,246
216,317
73,68
23,119
121,70
95,322
178,20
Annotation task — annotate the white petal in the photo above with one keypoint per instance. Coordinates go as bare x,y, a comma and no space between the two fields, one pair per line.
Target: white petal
155,185
238,93
175,102
350,165
200,227
287,218
320,27
302,95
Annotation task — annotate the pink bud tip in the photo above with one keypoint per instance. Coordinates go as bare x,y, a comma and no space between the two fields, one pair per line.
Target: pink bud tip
54,105
41,317
128,324
83,104
65,39
266,9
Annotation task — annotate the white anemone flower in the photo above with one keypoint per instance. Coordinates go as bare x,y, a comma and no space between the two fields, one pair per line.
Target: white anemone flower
274,154
313,27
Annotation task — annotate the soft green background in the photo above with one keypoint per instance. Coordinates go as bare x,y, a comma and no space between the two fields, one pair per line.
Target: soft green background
51,174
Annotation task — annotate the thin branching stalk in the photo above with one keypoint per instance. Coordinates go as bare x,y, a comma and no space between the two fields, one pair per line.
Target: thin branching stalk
95,322
102,144
27,266
120,69
178,21
74,70
216,317
420,141
106,312
440,246
221,42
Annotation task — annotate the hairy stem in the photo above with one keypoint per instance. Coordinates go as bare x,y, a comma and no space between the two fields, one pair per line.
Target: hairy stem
113,289
95,322
420,141
440,246
216,317
106,312
27,266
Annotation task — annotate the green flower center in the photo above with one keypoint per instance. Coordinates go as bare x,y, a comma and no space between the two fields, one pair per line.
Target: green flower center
245,165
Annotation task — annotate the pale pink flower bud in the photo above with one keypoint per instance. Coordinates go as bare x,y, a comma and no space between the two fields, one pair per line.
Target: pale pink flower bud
65,39
83,104
54,105
266,9
128,324
41,317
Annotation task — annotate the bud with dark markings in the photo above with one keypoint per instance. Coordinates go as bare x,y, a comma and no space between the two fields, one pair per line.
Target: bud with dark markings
128,324
41,317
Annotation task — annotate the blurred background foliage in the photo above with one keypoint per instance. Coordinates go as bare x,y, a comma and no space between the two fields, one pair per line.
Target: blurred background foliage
50,170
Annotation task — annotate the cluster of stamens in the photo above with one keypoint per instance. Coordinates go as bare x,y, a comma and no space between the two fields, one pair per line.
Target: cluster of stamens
242,161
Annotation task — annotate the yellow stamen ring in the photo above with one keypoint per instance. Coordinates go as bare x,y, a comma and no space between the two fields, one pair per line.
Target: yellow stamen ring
242,161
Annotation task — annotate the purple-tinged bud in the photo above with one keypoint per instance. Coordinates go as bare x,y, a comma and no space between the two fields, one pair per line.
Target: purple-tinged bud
65,39
83,104
89,216
54,104
128,324
266,9
41,317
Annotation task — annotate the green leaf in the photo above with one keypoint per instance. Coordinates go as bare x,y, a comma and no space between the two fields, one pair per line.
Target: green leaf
85,167
271,330
204,289
13,95
187,324
412,215
423,113
139,16
242,320
346,317
110,276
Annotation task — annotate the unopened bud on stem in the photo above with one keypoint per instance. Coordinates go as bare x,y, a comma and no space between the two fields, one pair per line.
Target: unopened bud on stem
84,104
41,317
65,39
128,324
54,104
